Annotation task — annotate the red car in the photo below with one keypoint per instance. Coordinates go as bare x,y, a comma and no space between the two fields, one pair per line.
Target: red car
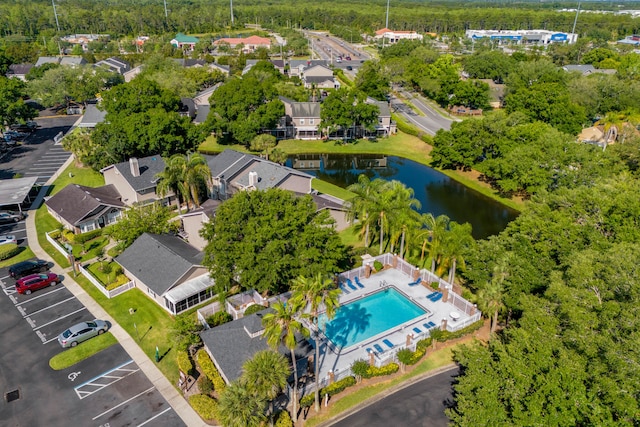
34,282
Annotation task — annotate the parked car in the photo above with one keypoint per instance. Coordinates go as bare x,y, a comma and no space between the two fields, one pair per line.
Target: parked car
33,282
25,268
349,67
82,332
8,239
7,217
348,58
27,127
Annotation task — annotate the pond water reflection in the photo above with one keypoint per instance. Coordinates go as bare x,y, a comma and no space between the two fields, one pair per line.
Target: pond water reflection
437,193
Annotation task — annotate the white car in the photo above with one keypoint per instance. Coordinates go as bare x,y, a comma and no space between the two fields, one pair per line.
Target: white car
7,239
82,332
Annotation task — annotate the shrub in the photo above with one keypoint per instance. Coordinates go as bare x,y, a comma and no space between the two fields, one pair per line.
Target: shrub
359,368
331,389
254,309
55,234
423,344
120,280
9,250
404,126
388,369
404,355
377,265
446,335
219,318
209,369
85,237
205,385
69,236
204,405
284,419
184,362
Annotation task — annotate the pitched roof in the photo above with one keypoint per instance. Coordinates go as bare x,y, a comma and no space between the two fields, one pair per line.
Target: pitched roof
159,260
382,31
231,344
583,68
72,60
92,116
202,112
278,63
149,167
19,69
183,38
47,60
305,109
256,40
296,63
114,64
76,203
318,79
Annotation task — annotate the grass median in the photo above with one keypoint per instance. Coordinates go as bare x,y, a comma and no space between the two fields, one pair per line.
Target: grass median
82,351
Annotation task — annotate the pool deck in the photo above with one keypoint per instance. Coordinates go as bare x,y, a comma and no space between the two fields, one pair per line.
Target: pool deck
339,360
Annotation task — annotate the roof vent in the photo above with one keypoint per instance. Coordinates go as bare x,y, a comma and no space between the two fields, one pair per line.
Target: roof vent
12,395
253,178
134,166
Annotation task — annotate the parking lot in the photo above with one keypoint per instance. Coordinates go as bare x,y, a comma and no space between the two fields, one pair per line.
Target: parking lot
17,229
106,390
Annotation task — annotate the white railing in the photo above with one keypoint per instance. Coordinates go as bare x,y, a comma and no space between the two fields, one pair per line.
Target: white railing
56,245
109,294
122,289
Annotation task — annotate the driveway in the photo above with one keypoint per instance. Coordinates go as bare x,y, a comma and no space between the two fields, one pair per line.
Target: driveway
419,405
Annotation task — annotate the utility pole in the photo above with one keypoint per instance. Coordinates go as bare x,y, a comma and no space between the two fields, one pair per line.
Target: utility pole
575,21
386,24
166,15
55,14
231,5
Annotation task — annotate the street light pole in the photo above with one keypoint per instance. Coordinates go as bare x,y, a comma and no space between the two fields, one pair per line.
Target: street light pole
55,14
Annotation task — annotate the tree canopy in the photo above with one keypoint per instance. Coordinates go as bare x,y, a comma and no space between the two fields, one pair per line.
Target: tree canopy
265,239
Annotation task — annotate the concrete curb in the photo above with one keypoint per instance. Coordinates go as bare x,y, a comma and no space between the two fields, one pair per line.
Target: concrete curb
161,383
341,416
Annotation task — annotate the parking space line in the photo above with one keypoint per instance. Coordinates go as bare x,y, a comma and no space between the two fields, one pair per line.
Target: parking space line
43,339
58,289
52,305
30,321
94,386
154,417
123,403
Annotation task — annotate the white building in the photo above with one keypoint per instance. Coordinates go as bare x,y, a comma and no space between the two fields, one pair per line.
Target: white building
523,37
395,36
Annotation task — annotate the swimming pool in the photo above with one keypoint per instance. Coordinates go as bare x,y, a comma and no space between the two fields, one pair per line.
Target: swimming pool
360,320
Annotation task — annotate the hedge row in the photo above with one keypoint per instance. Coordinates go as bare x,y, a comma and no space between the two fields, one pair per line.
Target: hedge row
210,371
331,389
9,250
411,130
184,362
85,237
442,336
204,405
121,279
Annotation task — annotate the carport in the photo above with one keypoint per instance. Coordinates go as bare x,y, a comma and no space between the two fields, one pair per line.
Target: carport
16,191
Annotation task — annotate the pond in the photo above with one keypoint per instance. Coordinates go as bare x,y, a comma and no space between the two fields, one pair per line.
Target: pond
437,193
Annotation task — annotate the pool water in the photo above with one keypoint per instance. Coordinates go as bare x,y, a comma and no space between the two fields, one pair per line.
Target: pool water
360,320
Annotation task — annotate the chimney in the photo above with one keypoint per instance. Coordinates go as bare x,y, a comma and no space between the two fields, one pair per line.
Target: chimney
253,178
133,165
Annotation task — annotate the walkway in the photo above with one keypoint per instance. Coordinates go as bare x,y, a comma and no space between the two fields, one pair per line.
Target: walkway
162,384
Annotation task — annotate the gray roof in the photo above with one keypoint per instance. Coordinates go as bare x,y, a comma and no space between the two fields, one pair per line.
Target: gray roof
295,63
19,69
75,203
201,113
318,79
72,60
14,191
149,168
305,109
115,64
278,63
583,68
224,68
92,116
231,345
159,261
47,60
325,202
187,62
384,108
231,164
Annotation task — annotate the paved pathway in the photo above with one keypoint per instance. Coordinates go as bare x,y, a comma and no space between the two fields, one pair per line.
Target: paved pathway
162,384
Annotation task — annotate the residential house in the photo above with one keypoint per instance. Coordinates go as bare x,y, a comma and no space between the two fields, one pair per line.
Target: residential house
92,116
18,71
302,119
81,209
136,180
392,37
233,171
184,42
224,69
69,61
115,65
335,207
297,66
319,76
249,44
187,108
168,270
279,65
231,344
248,65
201,101
193,221
633,40
496,93
385,125
587,69
84,39
132,73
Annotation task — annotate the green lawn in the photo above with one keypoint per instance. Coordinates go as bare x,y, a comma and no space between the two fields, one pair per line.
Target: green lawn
334,190
22,256
77,175
82,351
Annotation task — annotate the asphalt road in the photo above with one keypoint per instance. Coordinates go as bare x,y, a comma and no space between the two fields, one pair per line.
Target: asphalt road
419,405
429,121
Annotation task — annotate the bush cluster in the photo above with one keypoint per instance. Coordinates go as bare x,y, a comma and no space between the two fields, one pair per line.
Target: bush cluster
184,362
9,250
204,405
254,309
283,420
331,390
442,336
377,265
219,318
388,369
205,385
209,369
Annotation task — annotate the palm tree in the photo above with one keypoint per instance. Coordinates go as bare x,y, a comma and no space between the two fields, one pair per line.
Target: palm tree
361,205
314,294
281,327
239,407
266,374
403,214
456,242
490,298
185,175
432,236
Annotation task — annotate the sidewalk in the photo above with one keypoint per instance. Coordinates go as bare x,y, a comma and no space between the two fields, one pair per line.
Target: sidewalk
161,383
